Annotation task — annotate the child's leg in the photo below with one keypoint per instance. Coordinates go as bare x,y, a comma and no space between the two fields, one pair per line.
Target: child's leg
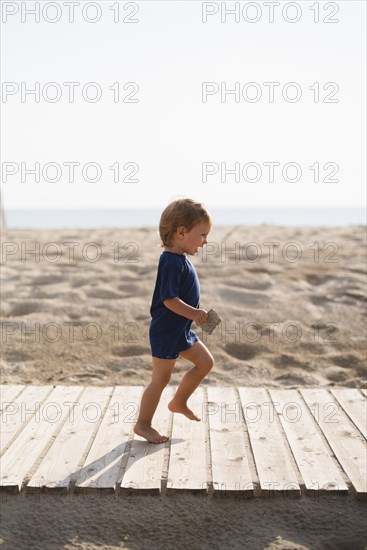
162,370
203,363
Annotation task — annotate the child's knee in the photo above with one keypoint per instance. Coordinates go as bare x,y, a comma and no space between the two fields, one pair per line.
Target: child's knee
162,380
209,363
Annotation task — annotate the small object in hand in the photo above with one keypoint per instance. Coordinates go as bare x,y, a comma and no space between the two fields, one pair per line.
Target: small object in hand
212,321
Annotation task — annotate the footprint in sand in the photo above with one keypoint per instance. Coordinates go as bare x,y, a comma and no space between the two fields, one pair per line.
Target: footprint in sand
143,317
80,281
359,296
128,351
131,288
81,377
316,326
318,299
252,285
263,270
24,308
243,351
104,293
287,361
47,280
42,295
317,280
74,315
336,374
358,270
346,361
17,356
129,373
288,379
240,296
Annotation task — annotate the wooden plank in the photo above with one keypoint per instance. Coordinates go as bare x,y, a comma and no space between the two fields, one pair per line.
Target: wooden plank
347,443
355,405
62,459
273,464
144,468
8,392
32,438
312,456
101,467
16,416
230,468
364,392
23,453
187,462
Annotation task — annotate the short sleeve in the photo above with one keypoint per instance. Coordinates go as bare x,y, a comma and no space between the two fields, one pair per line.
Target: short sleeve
171,276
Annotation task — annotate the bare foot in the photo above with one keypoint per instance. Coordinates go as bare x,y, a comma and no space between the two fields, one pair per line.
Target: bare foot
183,409
150,434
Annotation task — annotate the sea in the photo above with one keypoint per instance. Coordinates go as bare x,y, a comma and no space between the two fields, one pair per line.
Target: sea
104,218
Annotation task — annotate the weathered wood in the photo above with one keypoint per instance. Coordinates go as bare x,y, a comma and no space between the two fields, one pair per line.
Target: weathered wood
63,457
312,456
110,446
229,461
18,413
325,446
8,392
273,464
347,443
355,406
187,461
23,453
143,472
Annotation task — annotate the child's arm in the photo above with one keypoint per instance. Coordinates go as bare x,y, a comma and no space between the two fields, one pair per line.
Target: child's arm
181,308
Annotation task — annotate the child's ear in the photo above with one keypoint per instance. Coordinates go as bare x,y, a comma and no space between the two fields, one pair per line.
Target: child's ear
180,231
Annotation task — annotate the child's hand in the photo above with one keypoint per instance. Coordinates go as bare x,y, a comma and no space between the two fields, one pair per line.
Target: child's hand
200,316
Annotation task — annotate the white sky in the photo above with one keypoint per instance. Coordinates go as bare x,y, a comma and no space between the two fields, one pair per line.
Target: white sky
170,132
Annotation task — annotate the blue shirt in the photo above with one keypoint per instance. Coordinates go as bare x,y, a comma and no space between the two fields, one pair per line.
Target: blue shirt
170,333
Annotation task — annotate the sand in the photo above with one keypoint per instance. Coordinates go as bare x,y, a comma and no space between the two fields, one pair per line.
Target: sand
76,311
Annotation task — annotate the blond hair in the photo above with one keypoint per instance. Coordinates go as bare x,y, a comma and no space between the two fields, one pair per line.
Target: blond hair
182,211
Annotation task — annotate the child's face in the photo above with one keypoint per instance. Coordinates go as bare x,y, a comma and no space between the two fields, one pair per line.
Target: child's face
195,238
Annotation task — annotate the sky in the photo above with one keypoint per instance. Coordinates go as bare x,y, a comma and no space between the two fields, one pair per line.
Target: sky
164,125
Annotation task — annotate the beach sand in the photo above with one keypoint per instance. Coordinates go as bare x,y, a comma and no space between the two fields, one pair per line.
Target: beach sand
75,310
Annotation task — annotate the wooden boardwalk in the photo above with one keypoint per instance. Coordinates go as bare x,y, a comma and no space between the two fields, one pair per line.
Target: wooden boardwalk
250,442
